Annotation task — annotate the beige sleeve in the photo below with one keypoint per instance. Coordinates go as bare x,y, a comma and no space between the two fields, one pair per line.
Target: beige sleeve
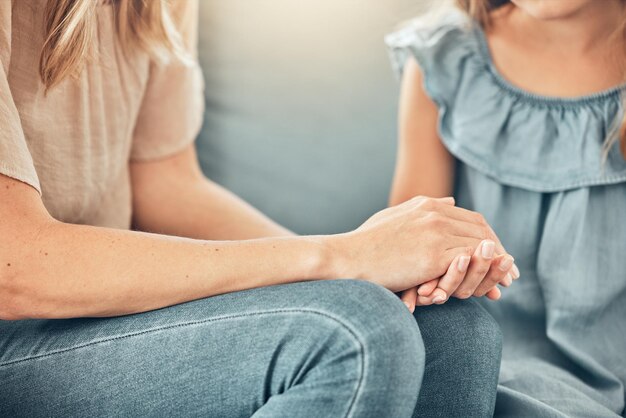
173,105
15,158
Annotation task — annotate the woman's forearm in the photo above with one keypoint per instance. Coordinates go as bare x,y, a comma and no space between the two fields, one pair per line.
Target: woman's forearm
173,197
50,269
76,271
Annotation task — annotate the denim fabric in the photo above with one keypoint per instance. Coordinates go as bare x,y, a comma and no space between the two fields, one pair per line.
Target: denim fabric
317,349
463,346
533,167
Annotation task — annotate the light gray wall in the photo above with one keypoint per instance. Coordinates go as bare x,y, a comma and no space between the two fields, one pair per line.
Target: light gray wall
301,106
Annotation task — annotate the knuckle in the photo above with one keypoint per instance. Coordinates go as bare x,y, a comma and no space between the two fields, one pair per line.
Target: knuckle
482,270
457,280
480,219
418,200
435,219
426,203
495,280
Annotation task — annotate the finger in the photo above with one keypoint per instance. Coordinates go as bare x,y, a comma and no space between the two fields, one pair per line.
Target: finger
446,200
469,232
473,226
478,269
424,301
515,274
409,297
427,288
439,297
453,252
469,217
498,273
507,281
494,294
455,274
468,229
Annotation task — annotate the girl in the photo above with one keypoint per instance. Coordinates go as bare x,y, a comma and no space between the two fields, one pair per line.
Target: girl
517,106
99,105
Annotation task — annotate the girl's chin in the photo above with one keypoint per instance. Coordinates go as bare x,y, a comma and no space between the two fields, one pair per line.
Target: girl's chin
552,9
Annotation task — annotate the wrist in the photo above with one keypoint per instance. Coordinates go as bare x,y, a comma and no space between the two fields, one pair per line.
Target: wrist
336,258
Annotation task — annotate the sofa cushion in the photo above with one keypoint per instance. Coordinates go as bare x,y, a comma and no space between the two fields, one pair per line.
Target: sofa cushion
301,106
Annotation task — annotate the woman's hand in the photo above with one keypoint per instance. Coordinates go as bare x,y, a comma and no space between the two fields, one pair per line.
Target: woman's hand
410,244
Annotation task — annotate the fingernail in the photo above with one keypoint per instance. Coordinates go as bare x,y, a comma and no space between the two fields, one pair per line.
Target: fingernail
439,299
488,249
464,263
505,265
507,281
408,305
515,272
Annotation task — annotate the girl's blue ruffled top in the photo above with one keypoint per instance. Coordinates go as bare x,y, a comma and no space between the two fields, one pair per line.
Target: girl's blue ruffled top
533,166
525,140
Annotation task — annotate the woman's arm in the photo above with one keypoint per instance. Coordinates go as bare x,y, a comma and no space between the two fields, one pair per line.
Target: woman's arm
171,196
50,269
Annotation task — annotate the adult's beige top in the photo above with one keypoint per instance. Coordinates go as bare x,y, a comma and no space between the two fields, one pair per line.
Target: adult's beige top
75,142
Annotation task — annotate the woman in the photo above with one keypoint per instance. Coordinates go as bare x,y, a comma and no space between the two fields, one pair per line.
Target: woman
99,105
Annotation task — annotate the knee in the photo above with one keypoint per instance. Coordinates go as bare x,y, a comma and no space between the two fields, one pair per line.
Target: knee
463,349
480,334
390,344
465,335
376,315
387,331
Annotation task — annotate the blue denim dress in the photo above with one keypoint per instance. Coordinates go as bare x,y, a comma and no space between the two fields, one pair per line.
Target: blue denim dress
533,167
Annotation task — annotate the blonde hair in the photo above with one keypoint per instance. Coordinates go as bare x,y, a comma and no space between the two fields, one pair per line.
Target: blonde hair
69,27
479,10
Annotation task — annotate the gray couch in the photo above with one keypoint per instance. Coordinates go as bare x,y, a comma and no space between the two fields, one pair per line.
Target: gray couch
301,106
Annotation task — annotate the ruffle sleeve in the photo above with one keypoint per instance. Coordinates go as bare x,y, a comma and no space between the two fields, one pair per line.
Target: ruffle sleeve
538,143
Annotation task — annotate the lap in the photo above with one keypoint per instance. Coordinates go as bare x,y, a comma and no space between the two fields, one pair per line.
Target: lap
226,354
230,354
347,303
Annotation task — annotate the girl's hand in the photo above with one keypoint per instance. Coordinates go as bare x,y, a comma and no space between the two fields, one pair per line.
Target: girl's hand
410,244
437,291
485,272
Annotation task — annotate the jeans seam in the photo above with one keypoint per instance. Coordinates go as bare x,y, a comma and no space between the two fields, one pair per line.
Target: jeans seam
347,327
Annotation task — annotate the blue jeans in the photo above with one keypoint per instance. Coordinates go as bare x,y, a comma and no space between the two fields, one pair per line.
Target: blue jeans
316,349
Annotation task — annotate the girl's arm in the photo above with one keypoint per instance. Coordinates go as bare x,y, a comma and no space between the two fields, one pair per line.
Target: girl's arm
50,269
424,167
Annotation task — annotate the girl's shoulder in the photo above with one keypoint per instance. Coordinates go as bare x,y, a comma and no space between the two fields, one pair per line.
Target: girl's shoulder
515,137
441,44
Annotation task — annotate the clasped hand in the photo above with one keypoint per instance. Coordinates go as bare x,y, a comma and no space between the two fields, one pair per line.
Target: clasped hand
476,275
430,250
